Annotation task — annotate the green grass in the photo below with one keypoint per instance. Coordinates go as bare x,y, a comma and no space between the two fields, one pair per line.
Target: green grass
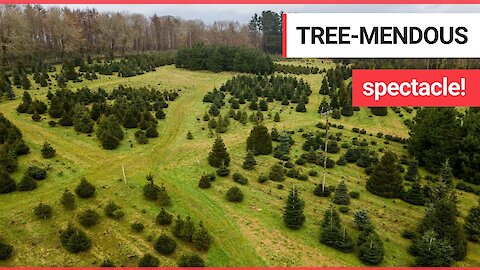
246,234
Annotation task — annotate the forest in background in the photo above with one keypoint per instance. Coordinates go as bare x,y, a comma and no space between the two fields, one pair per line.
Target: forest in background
33,31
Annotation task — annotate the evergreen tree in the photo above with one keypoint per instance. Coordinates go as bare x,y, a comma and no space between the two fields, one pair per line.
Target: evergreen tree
301,107
276,118
189,136
66,120
331,228
68,200
74,240
379,111
82,121
151,132
191,260
249,162
160,114
130,119
446,174
27,183
5,251
201,239
415,195
219,154
412,171
441,216
341,194
371,252
148,261
259,141
385,180
234,194
344,242
43,211
293,216
85,190
48,151
36,117
88,218
433,251
165,245
324,106
109,132
204,182
472,224
163,197
277,173
324,90
150,190
361,219
7,184
164,218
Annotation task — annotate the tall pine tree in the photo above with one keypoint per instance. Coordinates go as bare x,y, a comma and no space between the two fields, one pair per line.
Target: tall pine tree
293,216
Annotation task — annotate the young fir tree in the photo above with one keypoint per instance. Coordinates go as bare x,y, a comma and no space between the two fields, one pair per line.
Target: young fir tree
249,163
27,183
371,252
48,151
293,216
68,200
347,109
165,245
7,184
201,239
344,242
331,227
66,120
301,107
164,218
6,250
163,197
324,106
82,122
219,155
43,211
234,194
472,224
379,111
259,141
88,218
441,216
385,180
341,196
276,118
324,90
415,195
75,240
85,190
148,261
150,190
190,260
433,251
412,171
223,171
277,173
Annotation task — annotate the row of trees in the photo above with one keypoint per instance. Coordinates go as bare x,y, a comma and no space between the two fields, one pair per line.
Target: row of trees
224,58
31,31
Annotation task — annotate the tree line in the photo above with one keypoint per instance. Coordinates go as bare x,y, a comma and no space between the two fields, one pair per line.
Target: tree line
33,31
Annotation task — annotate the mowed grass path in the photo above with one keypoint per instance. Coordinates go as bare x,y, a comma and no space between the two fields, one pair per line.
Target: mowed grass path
246,234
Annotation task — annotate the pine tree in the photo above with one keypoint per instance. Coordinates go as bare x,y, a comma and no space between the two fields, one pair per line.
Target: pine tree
74,240
472,224
5,251
331,228
7,184
27,183
293,216
36,116
43,211
201,238
341,196
48,151
433,251
66,120
219,154
415,195
344,242
301,107
277,173
234,194
324,106
385,180
164,218
177,228
163,197
189,136
190,260
446,174
188,230
259,141
165,245
347,109
324,90
109,132
148,261
379,111
130,119
85,190
412,171
371,252
82,121
249,162
88,218
150,190
441,216
68,200
276,118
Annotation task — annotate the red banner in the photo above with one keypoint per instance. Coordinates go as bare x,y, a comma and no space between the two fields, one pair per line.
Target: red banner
423,88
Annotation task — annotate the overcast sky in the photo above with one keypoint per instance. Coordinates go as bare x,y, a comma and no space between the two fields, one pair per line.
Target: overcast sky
242,13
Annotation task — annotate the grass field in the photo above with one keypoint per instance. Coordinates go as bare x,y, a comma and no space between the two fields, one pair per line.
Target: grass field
247,234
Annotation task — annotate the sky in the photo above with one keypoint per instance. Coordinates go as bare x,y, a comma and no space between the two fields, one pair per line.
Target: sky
243,13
